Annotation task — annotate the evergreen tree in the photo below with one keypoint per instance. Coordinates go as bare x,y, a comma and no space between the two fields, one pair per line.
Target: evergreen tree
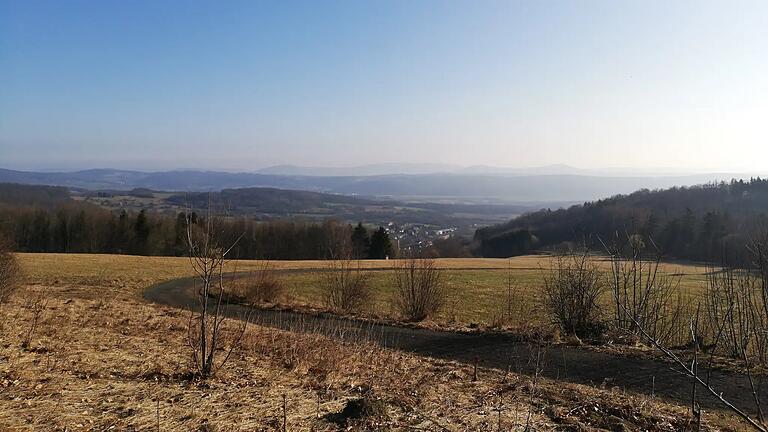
141,230
381,246
361,243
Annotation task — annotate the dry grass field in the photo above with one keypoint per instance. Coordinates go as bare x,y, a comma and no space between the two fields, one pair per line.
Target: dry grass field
101,358
477,287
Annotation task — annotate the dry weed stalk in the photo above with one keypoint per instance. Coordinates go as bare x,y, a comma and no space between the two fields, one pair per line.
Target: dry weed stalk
36,306
538,369
511,305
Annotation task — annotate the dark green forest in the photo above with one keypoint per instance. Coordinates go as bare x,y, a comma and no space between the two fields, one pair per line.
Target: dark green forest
698,223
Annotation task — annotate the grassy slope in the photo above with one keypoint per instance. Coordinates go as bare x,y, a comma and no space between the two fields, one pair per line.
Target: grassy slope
101,358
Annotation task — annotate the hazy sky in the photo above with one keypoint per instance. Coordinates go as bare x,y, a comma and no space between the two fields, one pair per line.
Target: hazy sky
244,84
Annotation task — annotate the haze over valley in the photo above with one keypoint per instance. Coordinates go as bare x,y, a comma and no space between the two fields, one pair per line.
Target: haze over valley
552,185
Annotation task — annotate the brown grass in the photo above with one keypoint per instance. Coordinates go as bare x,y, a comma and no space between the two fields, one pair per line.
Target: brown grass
123,364
101,358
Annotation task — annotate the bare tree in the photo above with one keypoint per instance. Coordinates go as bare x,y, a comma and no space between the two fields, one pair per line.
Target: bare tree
572,288
338,240
208,257
419,288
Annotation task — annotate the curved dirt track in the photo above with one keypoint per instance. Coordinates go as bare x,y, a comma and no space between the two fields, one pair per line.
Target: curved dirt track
633,374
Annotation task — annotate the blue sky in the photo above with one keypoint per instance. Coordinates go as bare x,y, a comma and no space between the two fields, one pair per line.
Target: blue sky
245,84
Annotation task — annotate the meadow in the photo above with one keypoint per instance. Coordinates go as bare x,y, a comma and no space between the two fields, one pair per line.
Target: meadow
480,290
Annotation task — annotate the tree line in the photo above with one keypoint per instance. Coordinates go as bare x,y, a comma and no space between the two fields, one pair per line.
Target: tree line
73,227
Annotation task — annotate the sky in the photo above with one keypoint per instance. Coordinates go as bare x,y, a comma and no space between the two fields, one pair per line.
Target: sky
239,85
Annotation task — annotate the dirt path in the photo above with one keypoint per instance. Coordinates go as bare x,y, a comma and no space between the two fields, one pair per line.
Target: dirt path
633,374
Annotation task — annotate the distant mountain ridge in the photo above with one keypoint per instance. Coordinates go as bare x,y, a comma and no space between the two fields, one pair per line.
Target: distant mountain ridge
360,171
524,188
383,169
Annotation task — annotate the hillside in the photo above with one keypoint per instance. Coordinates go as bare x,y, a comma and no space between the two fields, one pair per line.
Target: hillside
685,222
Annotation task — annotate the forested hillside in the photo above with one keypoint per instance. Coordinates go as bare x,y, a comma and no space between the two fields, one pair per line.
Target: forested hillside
46,219
685,222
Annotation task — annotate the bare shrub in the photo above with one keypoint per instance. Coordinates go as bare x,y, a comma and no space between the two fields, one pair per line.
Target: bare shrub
734,325
263,285
572,288
642,294
10,272
759,253
736,319
702,378
346,286
419,288
207,334
727,291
